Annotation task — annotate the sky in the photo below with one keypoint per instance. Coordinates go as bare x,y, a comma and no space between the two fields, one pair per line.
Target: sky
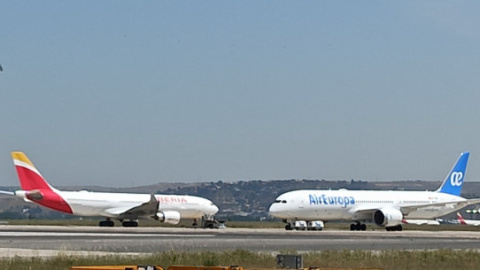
131,93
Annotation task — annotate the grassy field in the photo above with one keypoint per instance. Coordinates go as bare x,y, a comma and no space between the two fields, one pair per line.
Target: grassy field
393,260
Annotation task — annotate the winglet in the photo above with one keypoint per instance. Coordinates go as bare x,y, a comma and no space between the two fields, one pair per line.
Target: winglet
454,181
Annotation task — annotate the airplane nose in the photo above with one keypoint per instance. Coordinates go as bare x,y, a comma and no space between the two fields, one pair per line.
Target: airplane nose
214,208
273,210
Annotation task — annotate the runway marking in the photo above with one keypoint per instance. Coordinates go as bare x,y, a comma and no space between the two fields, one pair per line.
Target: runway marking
33,234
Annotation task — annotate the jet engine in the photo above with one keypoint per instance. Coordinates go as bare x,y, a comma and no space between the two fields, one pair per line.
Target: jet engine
387,217
172,217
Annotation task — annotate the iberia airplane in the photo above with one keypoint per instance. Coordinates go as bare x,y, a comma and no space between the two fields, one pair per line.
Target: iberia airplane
463,221
309,209
125,207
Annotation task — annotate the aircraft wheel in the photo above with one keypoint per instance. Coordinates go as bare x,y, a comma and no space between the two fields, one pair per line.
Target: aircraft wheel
130,224
395,228
106,223
358,227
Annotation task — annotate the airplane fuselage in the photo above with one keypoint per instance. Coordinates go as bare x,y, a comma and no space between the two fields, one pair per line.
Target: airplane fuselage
329,205
88,203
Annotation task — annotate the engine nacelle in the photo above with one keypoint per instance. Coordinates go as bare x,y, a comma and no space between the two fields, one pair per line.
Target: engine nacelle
171,217
387,217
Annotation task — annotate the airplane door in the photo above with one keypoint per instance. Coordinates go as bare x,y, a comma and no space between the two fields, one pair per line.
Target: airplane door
300,203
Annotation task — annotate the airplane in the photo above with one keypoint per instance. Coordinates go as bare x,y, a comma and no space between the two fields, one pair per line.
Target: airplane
309,209
463,221
125,207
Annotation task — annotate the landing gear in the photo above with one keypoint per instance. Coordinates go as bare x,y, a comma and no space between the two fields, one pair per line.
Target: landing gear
288,227
358,227
209,222
194,224
394,228
130,223
106,223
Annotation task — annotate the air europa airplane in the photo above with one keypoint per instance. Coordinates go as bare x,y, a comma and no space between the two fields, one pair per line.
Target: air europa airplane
309,209
125,207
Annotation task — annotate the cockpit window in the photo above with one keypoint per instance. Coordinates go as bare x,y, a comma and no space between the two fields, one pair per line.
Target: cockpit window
284,201
277,201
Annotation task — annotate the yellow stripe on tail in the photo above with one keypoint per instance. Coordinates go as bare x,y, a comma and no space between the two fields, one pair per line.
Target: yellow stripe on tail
20,156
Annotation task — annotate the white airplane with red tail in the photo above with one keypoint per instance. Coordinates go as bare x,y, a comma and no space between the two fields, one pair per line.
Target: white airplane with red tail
463,221
125,207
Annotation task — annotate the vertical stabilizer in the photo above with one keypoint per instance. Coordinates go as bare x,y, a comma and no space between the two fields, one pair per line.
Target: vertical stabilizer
34,186
460,219
454,181
29,177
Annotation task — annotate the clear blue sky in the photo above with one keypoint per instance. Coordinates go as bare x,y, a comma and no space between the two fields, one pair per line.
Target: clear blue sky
128,93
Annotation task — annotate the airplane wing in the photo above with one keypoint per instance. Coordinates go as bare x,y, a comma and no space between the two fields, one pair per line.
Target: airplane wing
149,208
366,211
407,209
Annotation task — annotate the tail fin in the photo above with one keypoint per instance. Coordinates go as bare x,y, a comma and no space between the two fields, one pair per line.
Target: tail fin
454,181
460,219
29,177
34,186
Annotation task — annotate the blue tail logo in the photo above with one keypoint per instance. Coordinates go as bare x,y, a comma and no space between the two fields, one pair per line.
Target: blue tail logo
454,181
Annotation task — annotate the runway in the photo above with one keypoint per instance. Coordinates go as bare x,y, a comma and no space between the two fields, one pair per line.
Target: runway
151,240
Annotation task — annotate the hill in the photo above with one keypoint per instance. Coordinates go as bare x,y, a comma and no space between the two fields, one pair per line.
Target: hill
242,200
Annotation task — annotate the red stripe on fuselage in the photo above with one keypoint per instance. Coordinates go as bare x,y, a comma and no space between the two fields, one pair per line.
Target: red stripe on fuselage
30,180
51,200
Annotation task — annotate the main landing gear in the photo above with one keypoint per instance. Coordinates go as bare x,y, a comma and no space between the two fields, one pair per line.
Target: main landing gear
358,227
106,223
109,223
394,228
130,223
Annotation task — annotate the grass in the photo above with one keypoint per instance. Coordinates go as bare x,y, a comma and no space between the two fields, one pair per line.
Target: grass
391,259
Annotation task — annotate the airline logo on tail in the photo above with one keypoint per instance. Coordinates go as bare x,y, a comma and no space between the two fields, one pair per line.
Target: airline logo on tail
35,187
454,181
460,219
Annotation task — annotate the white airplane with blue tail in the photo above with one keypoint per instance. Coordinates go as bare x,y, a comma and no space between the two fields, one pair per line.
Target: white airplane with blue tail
310,209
